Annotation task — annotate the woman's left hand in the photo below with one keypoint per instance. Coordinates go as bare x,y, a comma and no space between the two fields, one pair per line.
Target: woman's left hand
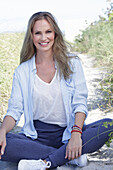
74,146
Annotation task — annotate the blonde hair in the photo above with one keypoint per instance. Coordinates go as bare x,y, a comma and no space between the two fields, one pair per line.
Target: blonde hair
60,49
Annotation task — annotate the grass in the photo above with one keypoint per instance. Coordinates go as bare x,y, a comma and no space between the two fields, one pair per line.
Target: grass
97,41
10,46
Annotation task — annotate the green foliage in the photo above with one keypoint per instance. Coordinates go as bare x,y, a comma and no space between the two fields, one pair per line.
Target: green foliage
107,89
110,139
109,12
106,124
10,46
97,41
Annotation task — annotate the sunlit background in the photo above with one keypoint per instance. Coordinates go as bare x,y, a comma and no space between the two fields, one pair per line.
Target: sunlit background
95,41
72,15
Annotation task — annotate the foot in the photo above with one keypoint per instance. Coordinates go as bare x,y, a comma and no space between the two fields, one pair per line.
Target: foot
33,165
81,161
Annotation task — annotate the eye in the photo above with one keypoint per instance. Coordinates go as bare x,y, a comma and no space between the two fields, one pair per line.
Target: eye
49,31
36,33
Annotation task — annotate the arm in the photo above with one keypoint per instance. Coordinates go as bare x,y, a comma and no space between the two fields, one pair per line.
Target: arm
74,147
7,125
79,110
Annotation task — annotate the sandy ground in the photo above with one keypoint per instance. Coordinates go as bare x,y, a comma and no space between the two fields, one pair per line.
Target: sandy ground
102,159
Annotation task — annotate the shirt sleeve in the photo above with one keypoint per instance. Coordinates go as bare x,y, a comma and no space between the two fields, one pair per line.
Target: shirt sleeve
80,92
15,103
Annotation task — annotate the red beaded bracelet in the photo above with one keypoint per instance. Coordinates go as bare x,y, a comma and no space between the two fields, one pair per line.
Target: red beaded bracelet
76,128
76,131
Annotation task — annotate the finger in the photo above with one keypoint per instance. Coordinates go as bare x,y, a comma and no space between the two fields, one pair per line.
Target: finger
69,155
73,155
3,148
80,152
76,154
0,151
66,155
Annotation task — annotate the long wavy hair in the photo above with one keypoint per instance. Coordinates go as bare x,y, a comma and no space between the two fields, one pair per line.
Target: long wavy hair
60,47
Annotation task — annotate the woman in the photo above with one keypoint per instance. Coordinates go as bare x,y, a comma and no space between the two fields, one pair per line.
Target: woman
50,88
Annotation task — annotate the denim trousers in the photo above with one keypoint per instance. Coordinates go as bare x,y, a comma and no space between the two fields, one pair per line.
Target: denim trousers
48,146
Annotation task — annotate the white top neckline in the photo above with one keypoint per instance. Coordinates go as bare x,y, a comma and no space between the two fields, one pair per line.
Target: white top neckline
46,82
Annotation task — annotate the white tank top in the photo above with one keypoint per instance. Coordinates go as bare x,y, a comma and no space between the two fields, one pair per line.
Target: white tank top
48,104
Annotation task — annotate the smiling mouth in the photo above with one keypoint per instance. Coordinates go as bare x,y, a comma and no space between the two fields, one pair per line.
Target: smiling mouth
44,43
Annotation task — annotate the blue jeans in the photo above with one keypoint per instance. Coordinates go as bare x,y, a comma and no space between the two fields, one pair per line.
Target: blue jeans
49,144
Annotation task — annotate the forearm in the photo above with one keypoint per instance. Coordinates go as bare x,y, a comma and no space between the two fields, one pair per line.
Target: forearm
8,124
74,147
79,119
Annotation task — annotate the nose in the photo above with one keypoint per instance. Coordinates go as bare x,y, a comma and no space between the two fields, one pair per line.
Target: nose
43,37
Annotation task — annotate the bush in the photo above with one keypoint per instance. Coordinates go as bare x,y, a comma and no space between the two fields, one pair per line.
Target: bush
97,41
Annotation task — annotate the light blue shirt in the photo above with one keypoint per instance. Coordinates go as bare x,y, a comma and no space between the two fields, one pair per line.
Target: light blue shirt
74,93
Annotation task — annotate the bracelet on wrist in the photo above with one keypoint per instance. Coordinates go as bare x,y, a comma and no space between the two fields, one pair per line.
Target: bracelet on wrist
76,128
76,131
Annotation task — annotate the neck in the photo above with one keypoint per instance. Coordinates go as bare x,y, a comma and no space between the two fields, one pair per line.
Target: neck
44,57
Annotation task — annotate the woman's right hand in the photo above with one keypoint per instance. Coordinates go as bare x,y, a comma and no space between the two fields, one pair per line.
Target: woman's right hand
7,125
2,141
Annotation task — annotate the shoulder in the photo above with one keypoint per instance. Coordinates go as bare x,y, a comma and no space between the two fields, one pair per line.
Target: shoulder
21,69
25,67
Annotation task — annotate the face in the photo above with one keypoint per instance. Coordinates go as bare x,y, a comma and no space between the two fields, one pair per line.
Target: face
43,36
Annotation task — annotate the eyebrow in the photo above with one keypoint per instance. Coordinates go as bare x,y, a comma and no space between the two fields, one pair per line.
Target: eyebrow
50,29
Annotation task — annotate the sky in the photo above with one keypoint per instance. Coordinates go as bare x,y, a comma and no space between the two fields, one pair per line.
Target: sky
71,15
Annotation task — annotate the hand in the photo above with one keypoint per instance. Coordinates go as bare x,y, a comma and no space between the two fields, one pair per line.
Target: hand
74,146
2,142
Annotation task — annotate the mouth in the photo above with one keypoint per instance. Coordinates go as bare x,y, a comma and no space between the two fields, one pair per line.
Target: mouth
44,44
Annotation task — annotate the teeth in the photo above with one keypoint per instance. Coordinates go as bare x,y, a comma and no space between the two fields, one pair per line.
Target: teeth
43,43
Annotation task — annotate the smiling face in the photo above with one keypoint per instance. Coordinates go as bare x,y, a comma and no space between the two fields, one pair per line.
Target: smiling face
43,36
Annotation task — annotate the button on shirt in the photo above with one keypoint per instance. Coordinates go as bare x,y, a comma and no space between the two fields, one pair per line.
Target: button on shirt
74,93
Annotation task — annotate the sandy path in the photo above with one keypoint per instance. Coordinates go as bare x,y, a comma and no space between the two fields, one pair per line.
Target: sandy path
103,159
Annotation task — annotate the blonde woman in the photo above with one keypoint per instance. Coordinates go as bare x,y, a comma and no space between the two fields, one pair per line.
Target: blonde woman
50,89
